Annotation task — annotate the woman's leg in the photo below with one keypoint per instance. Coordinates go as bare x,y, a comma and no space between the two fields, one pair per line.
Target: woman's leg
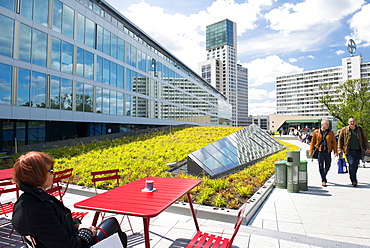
109,227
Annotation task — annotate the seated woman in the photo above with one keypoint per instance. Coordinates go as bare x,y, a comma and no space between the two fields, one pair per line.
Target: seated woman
46,219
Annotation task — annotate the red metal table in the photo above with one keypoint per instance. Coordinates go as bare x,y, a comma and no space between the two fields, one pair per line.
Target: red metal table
130,200
6,174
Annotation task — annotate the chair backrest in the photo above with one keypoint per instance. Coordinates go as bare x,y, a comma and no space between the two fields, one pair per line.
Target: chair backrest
105,176
238,223
61,176
55,190
7,187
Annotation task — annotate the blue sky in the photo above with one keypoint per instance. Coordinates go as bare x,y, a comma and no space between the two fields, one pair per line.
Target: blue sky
275,37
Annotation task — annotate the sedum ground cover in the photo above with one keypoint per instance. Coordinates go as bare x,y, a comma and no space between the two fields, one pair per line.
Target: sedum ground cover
147,155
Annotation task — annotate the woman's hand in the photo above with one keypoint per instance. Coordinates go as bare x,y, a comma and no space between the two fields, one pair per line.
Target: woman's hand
91,228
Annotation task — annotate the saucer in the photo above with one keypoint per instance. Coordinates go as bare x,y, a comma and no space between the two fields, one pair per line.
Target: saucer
147,190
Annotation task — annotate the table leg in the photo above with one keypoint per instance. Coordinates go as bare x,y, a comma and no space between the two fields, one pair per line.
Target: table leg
146,232
96,217
192,211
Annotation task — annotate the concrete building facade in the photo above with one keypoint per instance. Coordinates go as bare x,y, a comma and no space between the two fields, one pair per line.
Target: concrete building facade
296,94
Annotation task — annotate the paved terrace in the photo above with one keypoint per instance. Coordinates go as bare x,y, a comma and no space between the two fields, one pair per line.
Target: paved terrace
332,216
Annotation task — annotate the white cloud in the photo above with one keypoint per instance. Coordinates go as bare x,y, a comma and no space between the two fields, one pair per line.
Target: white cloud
180,33
165,28
244,14
292,60
339,52
261,71
283,43
310,13
261,94
262,108
360,25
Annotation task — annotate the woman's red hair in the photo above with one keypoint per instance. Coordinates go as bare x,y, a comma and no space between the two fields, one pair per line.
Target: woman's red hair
31,169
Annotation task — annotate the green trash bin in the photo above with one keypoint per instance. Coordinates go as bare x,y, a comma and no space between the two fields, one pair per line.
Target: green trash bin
293,162
280,174
302,175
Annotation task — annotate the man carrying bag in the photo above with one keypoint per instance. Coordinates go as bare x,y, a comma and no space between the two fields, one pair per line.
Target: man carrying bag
353,143
324,141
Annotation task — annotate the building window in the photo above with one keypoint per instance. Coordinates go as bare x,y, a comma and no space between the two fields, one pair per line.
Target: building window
5,84
7,38
99,100
106,71
99,69
39,47
55,53
9,4
25,34
120,76
99,38
81,28
128,104
106,42
23,95
26,8
113,74
68,21
41,12
120,50
89,33
88,65
67,57
36,132
106,101
130,75
57,16
120,104
54,92
114,41
113,103
79,97
88,98
66,94
38,90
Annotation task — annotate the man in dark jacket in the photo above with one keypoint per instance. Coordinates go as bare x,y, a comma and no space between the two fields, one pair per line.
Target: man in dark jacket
353,142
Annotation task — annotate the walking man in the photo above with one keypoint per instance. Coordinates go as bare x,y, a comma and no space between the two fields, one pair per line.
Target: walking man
353,142
324,140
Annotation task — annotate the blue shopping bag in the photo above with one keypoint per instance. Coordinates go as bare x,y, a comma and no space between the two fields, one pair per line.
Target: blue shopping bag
342,166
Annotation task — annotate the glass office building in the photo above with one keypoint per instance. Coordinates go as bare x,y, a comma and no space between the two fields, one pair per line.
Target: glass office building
77,68
222,71
220,34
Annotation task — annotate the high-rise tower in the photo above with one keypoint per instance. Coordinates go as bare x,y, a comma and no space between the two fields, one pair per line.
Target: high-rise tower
221,69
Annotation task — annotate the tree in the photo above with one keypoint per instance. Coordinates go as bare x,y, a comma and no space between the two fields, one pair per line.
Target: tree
351,99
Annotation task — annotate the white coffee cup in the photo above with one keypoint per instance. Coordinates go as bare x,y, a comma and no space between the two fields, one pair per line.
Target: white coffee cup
149,184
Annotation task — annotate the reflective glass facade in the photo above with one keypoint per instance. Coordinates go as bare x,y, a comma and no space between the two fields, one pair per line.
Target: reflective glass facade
80,61
233,152
219,34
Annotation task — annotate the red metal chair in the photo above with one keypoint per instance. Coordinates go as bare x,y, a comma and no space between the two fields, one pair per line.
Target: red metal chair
57,189
59,177
7,207
106,176
204,240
